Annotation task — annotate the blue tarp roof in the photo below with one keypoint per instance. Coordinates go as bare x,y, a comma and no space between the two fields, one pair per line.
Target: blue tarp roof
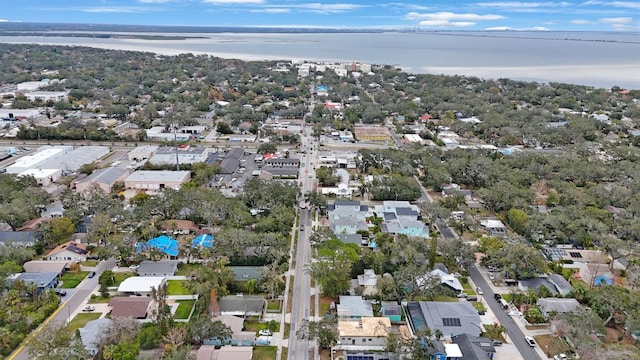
203,240
164,243
603,280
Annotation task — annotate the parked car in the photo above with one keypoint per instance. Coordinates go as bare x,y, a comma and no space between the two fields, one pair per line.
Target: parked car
91,274
492,276
497,296
301,227
472,298
462,295
265,332
61,292
93,257
479,291
89,308
497,343
530,341
561,357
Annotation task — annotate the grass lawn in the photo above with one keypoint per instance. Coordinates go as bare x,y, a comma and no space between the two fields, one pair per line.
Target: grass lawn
186,269
80,320
445,298
89,263
287,330
98,299
184,309
273,305
492,333
325,303
478,305
265,352
176,287
285,353
468,289
255,326
71,279
120,276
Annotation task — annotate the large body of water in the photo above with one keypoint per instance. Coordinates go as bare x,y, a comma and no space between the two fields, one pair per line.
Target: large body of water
587,58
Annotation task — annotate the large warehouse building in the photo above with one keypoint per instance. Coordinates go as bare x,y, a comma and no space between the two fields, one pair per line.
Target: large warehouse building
156,180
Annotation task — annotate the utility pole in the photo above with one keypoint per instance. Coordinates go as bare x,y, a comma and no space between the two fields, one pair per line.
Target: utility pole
175,140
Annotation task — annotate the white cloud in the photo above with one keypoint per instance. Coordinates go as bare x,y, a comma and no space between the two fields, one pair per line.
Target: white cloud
153,1
619,4
405,6
521,4
505,28
4,20
583,22
449,16
233,1
328,8
116,9
272,10
614,21
446,23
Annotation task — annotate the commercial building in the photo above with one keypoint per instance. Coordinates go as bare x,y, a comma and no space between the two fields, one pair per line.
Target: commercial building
142,153
183,154
43,158
45,96
103,178
160,133
44,177
156,180
82,155
372,133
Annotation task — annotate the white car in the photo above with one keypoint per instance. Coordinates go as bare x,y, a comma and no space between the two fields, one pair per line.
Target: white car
530,341
561,357
89,308
265,332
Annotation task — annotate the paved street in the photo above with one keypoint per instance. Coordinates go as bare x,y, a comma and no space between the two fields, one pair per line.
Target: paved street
69,306
515,334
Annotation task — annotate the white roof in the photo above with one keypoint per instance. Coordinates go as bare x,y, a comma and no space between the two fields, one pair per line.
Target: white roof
492,223
39,173
163,175
452,351
35,159
141,284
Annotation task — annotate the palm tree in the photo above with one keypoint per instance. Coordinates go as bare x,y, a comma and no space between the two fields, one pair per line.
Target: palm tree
250,285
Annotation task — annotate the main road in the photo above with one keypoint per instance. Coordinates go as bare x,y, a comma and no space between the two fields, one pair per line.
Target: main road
301,297
66,308
515,334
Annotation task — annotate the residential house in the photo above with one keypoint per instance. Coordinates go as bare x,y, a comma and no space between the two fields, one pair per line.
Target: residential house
90,334
448,280
495,227
42,281
242,305
165,244
45,266
141,285
556,305
348,217
354,307
135,307
392,310
158,268
400,217
226,352
536,283
474,347
367,332
562,285
450,318
367,282
176,226
69,251
352,239
18,238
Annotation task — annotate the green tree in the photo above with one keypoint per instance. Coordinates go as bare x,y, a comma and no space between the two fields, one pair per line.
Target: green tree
58,230
517,219
202,328
122,351
267,148
322,331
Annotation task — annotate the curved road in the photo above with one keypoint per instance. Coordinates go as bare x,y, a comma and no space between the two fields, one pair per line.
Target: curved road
515,334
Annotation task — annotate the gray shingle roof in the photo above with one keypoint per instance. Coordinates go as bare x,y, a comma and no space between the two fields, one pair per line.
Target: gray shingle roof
437,315
158,268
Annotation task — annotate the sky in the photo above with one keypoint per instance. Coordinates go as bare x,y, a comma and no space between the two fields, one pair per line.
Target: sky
569,15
